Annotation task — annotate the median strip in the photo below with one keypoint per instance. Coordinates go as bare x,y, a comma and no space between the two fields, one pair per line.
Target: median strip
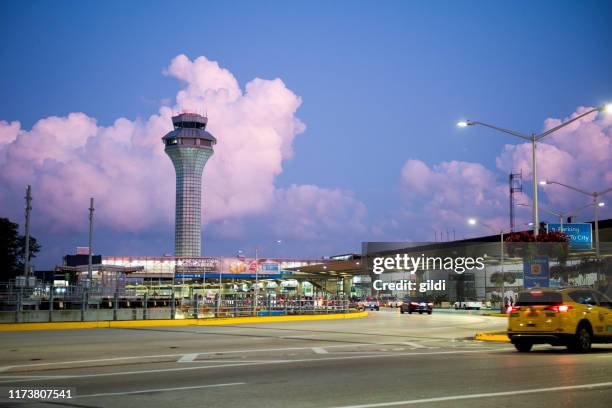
109,324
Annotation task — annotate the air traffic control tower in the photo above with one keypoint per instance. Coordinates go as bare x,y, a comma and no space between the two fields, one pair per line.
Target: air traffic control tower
189,146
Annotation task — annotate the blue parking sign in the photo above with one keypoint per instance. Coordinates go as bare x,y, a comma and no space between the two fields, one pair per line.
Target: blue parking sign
580,234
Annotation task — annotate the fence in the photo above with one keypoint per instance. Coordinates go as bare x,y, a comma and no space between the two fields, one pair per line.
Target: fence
78,303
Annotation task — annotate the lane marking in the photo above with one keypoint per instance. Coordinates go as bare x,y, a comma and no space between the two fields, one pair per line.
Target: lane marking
414,345
302,360
195,387
483,395
188,358
101,360
320,350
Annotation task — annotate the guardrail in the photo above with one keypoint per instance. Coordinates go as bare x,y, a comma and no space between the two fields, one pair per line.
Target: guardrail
76,303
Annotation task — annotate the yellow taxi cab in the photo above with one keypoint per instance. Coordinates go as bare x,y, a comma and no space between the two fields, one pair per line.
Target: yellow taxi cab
572,317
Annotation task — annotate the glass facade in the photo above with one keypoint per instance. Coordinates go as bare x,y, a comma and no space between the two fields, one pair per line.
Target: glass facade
188,163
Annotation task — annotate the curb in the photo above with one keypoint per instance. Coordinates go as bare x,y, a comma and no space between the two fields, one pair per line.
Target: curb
106,324
492,336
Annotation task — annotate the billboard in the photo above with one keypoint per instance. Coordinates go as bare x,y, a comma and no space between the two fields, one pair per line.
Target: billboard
580,234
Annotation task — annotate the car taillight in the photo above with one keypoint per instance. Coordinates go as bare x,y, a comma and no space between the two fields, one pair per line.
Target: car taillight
414,303
559,308
430,304
512,309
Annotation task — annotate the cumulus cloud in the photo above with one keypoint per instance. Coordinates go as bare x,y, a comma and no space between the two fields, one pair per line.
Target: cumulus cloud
449,192
69,159
314,213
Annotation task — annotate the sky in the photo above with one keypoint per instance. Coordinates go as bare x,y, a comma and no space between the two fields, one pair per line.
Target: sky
335,120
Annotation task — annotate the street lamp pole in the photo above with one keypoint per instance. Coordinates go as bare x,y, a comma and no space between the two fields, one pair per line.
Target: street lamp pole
534,139
473,221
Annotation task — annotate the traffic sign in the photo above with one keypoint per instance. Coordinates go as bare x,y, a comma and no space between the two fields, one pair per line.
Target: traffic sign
536,273
580,234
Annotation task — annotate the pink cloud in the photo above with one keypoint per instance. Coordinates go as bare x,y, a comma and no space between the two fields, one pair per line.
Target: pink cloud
449,192
69,159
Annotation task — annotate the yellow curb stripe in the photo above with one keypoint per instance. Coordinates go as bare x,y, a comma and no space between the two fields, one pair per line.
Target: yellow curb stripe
492,336
104,324
495,314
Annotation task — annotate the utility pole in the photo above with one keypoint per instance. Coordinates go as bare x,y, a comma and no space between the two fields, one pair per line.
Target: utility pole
89,268
28,209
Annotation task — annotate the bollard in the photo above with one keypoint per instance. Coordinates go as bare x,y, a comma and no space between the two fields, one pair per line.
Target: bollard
51,300
115,305
145,299
173,306
19,306
83,304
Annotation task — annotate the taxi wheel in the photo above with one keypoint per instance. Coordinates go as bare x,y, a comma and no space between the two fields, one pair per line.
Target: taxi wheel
523,347
581,343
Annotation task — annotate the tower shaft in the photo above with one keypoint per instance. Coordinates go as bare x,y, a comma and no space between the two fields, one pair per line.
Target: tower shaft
189,146
189,165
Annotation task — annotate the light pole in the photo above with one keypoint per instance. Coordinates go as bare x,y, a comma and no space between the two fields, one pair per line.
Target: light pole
89,255
28,210
474,221
595,196
534,139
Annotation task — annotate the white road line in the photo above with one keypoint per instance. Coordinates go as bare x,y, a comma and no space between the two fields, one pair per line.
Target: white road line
483,395
102,360
110,394
188,358
320,350
238,364
414,345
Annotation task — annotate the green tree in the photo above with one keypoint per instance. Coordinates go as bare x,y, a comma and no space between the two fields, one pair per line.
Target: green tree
12,250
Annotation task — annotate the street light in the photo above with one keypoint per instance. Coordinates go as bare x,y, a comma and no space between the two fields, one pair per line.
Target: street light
473,222
534,139
596,203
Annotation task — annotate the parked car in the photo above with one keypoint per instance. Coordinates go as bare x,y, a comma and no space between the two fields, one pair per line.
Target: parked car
468,305
416,305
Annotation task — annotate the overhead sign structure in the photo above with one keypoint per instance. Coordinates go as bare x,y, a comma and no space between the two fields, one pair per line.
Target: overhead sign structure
580,234
536,273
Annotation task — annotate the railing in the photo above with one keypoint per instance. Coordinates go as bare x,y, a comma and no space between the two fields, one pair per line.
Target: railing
78,303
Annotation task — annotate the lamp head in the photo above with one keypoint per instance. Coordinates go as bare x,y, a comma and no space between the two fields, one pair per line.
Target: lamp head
464,123
544,182
472,221
606,108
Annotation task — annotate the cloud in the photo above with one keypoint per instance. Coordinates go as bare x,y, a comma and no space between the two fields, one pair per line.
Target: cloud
69,159
311,213
449,192
578,155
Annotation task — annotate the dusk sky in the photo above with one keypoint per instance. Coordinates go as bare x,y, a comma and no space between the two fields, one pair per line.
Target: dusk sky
335,120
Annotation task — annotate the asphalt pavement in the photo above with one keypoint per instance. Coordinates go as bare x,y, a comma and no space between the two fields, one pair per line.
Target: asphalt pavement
385,359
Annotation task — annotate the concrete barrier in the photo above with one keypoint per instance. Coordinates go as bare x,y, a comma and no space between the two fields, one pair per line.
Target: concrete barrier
104,324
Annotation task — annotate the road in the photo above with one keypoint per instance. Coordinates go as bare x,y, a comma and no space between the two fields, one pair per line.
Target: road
386,359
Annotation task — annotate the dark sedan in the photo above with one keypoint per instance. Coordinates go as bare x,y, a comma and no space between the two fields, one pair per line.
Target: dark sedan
416,305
